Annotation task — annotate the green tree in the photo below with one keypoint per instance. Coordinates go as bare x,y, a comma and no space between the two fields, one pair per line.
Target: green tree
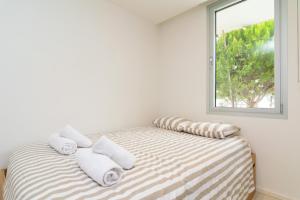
245,64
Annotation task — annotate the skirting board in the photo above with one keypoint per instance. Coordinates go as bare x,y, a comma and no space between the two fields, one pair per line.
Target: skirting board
272,194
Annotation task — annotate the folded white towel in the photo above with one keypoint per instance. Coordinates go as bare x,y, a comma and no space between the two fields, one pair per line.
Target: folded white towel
73,134
117,153
99,167
62,145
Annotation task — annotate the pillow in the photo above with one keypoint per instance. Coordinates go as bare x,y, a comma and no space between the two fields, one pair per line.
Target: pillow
170,123
209,129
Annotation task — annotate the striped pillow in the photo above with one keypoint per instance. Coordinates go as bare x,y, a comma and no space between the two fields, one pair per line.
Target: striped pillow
209,129
170,123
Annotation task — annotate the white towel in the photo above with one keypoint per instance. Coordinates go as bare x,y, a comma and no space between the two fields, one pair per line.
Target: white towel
117,153
73,134
99,167
62,145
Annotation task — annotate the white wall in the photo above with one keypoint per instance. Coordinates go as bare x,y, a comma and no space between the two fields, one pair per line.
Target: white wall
183,73
84,62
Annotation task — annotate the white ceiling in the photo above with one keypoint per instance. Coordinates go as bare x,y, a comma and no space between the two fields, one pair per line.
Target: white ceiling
158,10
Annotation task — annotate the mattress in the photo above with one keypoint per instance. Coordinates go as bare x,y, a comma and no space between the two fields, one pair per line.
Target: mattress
170,165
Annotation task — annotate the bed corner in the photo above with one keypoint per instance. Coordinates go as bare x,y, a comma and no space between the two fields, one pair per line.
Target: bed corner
251,195
2,180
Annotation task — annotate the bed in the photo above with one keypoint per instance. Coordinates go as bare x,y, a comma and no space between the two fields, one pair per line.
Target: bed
170,165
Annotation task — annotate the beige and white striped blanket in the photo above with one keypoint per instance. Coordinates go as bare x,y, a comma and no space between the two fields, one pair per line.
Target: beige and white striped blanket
170,165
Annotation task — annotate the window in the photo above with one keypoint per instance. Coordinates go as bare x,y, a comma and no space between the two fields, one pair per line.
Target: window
247,56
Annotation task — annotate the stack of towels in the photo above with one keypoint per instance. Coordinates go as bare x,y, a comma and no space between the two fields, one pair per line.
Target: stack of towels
103,162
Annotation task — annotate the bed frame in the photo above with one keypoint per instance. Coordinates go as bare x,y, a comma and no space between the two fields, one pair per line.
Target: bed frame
250,197
2,180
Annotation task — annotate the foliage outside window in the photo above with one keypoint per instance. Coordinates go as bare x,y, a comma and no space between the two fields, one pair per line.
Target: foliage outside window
245,66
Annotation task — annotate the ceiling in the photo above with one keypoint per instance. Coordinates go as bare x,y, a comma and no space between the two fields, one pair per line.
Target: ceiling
158,10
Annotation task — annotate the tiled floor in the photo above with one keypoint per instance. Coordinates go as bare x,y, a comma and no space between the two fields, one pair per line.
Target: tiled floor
259,196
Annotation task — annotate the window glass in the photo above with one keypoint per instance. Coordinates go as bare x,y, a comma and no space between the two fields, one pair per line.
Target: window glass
245,55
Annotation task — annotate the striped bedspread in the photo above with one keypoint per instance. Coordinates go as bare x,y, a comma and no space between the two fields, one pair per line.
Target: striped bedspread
170,165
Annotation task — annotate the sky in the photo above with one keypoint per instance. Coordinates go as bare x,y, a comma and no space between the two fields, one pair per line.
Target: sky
243,14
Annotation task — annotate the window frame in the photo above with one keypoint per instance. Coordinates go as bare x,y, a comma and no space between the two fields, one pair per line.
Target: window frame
280,61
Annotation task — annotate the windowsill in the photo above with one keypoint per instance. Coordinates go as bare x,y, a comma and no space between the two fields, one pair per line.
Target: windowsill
217,111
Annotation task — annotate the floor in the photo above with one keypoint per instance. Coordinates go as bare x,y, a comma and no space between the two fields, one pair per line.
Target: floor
259,196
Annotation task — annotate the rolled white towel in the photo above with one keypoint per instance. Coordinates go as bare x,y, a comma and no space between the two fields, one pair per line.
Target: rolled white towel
99,167
73,134
62,145
117,153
